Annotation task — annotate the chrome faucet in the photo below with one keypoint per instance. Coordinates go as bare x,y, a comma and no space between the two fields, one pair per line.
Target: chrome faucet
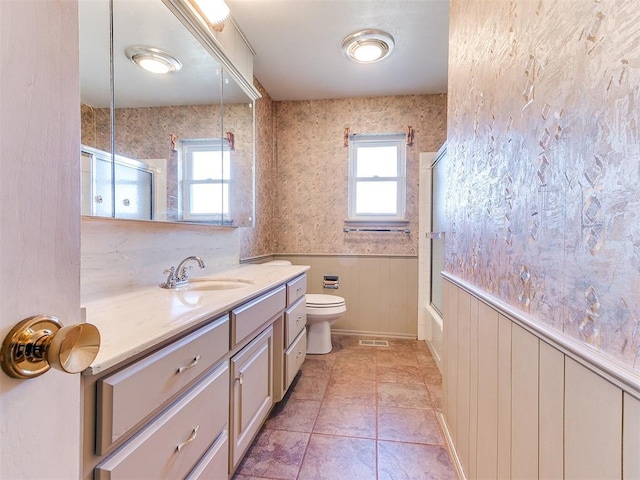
178,276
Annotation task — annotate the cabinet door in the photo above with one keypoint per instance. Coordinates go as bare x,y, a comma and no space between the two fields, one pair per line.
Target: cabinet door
251,392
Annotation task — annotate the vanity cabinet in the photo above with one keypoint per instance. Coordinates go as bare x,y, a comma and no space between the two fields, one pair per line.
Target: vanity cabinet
191,408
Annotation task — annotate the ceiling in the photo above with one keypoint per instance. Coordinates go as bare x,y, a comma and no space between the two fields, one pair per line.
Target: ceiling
298,45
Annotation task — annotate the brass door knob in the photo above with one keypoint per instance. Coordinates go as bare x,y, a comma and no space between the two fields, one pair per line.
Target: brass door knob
38,343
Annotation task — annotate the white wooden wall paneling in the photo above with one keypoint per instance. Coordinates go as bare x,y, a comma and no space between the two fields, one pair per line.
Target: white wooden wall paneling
592,425
551,411
487,448
462,432
504,397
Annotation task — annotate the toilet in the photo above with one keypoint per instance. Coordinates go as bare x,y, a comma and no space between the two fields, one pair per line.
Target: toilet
322,311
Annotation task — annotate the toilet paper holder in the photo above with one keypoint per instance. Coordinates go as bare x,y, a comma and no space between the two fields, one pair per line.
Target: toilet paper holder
331,281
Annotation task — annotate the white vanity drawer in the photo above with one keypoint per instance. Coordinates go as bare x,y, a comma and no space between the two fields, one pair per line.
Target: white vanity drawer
171,445
294,357
127,397
295,320
296,288
250,316
214,465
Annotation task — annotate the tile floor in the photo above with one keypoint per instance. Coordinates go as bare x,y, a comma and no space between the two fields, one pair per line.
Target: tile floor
358,413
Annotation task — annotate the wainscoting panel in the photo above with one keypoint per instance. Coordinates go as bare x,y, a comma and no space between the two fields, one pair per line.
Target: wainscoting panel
519,402
592,425
551,406
487,459
473,390
504,397
450,379
464,365
631,441
524,404
381,291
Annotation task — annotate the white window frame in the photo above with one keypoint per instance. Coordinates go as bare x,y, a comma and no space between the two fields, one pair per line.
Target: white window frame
378,140
186,148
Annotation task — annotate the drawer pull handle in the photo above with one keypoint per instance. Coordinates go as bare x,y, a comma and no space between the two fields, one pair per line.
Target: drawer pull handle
192,437
241,378
193,363
299,354
299,318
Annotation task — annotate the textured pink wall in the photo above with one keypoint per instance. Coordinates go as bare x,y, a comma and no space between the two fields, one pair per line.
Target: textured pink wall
544,158
261,239
312,169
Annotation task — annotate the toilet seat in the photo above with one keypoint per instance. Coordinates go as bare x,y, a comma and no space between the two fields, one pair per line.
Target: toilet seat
319,300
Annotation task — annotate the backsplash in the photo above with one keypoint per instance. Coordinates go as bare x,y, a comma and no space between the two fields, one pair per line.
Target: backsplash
312,169
543,153
117,254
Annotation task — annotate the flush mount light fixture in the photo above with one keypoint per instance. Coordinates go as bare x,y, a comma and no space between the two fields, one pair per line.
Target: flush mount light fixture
368,46
214,12
153,59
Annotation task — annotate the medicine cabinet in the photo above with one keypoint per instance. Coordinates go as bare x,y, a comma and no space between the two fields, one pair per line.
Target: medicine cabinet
175,147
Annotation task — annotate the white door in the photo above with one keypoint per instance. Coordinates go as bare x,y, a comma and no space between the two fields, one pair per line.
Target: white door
39,226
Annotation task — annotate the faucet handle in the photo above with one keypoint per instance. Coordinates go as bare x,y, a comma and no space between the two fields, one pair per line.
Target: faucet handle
171,278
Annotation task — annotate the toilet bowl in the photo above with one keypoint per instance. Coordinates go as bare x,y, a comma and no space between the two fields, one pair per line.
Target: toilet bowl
322,311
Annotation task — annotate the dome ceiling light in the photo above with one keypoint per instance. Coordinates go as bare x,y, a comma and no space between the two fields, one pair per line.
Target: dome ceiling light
153,59
214,12
368,46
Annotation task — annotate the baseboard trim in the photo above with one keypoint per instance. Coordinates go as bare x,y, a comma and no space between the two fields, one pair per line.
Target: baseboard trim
373,334
450,446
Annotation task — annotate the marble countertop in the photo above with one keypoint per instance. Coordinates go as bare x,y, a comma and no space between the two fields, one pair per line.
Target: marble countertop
137,319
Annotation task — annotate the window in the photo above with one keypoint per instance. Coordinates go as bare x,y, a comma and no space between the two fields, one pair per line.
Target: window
377,177
206,175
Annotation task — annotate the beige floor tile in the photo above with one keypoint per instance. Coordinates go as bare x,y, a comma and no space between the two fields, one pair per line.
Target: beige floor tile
346,419
309,387
358,391
409,461
275,454
334,458
395,357
405,395
399,374
409,425
294,415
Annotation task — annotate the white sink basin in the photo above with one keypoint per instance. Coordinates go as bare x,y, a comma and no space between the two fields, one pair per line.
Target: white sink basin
204,284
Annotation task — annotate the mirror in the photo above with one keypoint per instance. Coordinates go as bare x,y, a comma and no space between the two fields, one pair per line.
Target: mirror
174,147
